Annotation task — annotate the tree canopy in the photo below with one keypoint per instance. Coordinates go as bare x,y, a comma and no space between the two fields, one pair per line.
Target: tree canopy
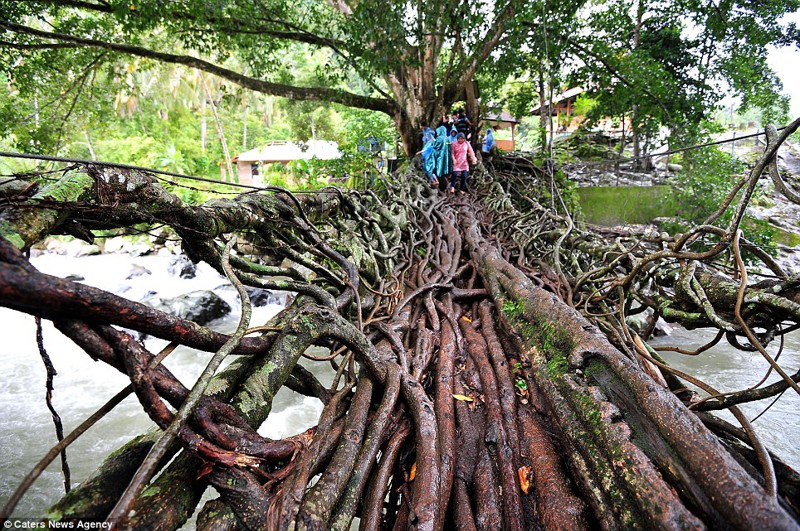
412,60
395,49
487,372
669,63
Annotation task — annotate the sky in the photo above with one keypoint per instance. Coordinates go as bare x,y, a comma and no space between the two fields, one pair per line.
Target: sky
786,63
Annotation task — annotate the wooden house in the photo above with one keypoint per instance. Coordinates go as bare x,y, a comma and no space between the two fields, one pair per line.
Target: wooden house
562,109
250,163
503,120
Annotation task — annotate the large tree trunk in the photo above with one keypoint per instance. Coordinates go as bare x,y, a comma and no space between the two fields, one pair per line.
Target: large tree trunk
410,118
471,394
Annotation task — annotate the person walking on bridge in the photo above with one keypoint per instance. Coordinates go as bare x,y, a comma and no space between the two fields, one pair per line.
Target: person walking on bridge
489,145
462,156
463,124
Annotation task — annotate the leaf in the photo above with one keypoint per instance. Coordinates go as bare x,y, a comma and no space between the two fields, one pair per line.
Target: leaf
524,481
413,473
467,319
464,398
206,469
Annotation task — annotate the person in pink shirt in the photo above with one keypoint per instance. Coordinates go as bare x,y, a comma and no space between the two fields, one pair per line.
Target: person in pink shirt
461,152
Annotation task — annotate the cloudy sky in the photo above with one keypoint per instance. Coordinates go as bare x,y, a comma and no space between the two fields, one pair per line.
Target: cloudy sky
786,63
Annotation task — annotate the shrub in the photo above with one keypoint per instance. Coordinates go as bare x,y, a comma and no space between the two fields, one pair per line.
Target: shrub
709,175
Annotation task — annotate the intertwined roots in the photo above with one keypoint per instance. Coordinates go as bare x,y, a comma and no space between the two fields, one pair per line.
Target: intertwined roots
469,389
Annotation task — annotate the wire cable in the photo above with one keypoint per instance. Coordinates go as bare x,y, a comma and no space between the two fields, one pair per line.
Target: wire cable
672,151
50,158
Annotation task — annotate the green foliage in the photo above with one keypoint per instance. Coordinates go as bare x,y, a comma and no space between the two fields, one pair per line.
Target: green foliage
9,165
513,308
761,233
279,179
172,160
774,110
518,96
137,150
652,62
309,120
708,176
590,146
567,189
357,162
311,51
189,196
360,124
528,137
556,366
658,64
584,104
309,173
555,341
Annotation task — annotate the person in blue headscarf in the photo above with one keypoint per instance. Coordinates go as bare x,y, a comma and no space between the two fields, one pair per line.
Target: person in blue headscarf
437,157
488,144
427,151
426,131
440,162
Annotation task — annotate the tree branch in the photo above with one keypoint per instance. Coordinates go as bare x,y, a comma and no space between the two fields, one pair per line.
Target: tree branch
483,50
345,98
235,25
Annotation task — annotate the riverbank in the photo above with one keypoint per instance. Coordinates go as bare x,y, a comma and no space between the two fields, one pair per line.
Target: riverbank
628,198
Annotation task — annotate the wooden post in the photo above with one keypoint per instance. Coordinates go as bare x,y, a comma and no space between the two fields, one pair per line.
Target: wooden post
513,136
569,113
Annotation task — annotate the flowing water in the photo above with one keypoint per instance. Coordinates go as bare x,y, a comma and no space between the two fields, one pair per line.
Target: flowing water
728,369
82,385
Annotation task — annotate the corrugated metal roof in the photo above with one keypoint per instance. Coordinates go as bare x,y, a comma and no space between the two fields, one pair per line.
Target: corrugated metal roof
283,151
499,117
567,94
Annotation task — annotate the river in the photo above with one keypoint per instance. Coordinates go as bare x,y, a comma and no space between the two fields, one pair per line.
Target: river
82,385
728,369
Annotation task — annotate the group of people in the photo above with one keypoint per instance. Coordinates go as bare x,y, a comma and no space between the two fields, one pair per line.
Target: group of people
448,152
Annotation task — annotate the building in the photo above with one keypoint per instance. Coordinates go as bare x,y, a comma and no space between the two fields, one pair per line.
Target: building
562,109
567,120
250,163
503,120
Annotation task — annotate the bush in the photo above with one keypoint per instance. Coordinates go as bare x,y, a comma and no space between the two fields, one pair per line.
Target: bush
709,175
137,150
707,178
